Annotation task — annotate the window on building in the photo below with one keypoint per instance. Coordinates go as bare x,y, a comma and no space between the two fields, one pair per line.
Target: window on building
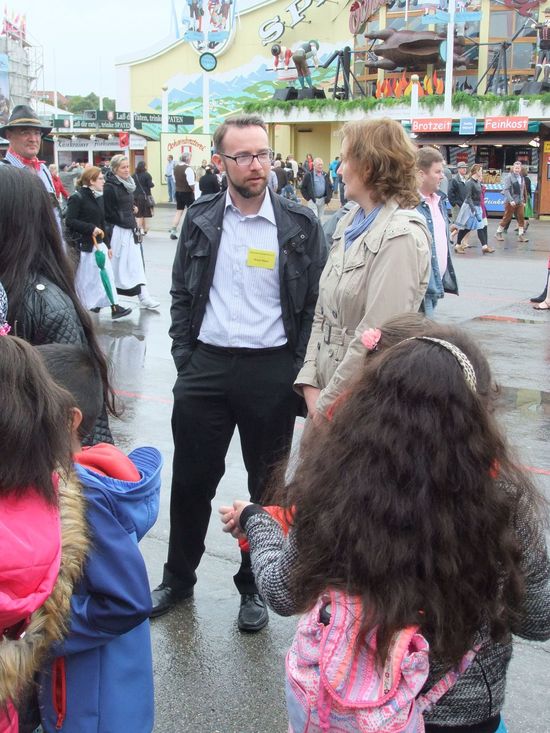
505,24
522,55
414,23
501,25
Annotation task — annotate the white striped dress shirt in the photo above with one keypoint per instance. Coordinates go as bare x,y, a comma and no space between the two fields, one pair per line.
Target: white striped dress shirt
244,305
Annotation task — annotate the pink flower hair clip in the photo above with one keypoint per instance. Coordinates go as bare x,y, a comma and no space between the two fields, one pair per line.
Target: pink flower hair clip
370,338
5,329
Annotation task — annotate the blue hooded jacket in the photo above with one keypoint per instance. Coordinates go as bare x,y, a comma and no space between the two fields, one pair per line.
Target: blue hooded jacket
102,678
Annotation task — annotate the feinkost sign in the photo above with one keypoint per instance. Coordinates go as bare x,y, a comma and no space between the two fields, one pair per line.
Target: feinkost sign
506,124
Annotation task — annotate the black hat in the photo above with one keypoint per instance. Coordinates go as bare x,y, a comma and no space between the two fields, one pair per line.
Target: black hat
24,116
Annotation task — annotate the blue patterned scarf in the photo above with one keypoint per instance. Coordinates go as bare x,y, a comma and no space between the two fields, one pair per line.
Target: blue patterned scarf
361,222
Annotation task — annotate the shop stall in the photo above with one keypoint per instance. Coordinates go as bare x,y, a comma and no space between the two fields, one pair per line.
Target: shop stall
497,144
98,149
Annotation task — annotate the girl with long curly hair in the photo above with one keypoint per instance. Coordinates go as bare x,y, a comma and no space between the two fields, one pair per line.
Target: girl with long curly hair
409,500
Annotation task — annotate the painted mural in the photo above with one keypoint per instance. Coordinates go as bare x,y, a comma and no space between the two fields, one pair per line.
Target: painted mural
229,91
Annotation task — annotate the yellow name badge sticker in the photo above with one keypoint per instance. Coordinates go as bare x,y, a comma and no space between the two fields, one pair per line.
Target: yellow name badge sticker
261,258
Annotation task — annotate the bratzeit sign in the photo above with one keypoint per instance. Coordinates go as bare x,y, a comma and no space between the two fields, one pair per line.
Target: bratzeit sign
432,124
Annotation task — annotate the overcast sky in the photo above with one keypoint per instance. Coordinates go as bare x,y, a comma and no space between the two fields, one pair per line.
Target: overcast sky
81,40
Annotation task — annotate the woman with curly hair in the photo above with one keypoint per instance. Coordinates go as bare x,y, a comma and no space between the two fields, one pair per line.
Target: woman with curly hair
379,263
408,500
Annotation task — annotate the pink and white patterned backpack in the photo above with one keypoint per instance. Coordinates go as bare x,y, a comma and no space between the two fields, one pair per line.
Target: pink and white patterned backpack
335,685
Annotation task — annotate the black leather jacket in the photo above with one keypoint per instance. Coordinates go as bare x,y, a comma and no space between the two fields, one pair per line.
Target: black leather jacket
118,203
48,316
473,193
302,250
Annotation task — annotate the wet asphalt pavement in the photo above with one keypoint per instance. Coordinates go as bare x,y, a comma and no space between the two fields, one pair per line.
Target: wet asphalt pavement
209,677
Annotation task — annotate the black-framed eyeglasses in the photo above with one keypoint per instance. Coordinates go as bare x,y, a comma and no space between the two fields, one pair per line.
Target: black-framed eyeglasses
245,160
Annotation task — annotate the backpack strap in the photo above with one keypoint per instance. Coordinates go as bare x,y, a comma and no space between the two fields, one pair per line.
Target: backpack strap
431,697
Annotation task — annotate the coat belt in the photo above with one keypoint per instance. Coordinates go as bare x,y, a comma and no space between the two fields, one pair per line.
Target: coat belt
334,335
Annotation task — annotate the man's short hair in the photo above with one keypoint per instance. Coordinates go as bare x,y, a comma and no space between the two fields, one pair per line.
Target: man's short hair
185,158
74,368
241,121
427,156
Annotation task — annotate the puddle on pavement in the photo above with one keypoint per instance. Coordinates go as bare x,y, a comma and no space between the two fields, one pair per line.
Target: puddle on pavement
526,401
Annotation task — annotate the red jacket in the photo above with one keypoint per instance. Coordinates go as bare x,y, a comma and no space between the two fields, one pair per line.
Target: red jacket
60,189
30,556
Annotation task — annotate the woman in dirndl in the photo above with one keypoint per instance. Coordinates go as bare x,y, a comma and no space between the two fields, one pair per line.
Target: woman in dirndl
85,221
472,216
120,211
143,197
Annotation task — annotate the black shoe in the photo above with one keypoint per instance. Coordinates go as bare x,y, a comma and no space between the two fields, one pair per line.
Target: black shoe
252,613
95,310
117,311
539,298
164,598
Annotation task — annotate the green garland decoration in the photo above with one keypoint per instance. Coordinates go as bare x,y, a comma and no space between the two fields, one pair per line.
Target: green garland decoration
475,104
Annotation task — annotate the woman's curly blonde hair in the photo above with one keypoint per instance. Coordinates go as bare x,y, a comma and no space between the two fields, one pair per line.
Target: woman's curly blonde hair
385,158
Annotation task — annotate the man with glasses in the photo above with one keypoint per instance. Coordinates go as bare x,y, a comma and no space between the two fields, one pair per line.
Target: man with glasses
244,289
24,132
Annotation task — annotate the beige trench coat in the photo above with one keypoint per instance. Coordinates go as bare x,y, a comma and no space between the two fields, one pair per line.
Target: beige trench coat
385,272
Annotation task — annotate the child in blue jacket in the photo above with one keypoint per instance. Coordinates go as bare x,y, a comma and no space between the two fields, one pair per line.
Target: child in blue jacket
101,679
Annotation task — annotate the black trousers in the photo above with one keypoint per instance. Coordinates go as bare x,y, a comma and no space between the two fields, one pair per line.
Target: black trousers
218,390
481,233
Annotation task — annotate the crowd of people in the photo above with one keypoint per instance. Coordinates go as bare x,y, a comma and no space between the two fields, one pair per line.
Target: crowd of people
407,537
287,178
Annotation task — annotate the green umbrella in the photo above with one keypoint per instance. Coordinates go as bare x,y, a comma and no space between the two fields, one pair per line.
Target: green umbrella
100,262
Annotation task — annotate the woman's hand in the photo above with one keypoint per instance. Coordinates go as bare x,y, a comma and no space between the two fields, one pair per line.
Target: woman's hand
135,209
97,232
231,516
110,254
311,395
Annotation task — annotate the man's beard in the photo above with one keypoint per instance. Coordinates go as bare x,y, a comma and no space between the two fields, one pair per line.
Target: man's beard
245,191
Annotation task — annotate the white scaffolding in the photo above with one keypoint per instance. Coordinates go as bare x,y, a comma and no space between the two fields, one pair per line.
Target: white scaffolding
25,68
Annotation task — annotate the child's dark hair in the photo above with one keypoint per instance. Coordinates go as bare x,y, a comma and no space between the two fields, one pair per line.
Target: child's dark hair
74,368
407,497
35,419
